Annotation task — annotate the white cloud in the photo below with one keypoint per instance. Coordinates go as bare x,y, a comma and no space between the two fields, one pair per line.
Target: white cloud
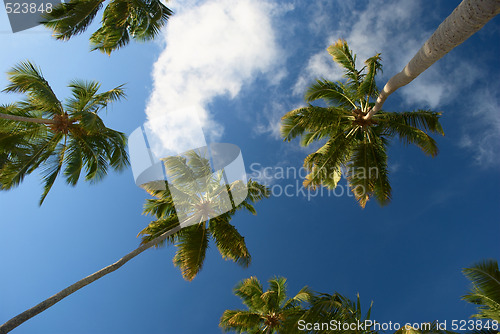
482,131
213,48
318,66
269,121
394,29
382,27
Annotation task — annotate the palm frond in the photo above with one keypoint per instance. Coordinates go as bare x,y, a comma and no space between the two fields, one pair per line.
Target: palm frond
229,241
71,18
241,321
250,291
369,175
125,19
485,291
425,120
256,191
368,87
15,171
53,167
27,78
318,120
334,93
191,246
411,128
343,56
325,164
158,227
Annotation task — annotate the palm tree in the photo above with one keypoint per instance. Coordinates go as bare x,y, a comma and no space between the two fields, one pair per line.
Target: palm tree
345,314
268,311
42,132
485,291
355,144
198,195
468,18
272,312
166,228
141,20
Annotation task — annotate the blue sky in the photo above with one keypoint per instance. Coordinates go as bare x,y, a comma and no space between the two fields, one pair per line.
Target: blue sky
237,67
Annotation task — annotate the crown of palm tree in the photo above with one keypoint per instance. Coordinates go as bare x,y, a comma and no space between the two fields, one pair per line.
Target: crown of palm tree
352,142
267,311
201,197
141,20
42,132
485,291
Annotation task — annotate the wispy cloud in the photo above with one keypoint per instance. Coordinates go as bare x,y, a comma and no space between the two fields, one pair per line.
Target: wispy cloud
394,29
213,48
482,131
385,27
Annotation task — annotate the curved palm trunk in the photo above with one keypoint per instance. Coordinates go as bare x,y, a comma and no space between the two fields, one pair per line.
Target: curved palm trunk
28,314
27,119
469,17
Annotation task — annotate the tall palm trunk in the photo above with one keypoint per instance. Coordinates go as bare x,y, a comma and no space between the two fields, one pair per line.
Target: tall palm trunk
469,17
27,119
28,314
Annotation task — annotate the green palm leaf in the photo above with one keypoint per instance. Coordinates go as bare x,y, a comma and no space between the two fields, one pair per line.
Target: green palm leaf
191,246
368,88
349,138
26,78
334,93
229,241
44,133
72,18
343,56
122,20
267,311
485,291
199,195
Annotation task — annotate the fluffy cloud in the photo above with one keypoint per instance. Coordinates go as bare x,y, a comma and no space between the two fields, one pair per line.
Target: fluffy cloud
213,48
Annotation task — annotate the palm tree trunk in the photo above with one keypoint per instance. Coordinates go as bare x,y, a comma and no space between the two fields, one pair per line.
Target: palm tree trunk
469,17
28,314
26,119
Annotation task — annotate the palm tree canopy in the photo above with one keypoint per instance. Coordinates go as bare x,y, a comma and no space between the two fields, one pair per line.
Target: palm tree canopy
122,20
485,290
197,193
41,132
324,308
269,311
350,142
272,311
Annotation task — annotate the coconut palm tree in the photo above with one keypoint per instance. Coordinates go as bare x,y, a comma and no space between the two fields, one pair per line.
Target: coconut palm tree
272,312
166,228
268,311
468,18
199,195
122,20
485,291
353,143
41,132
345,314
